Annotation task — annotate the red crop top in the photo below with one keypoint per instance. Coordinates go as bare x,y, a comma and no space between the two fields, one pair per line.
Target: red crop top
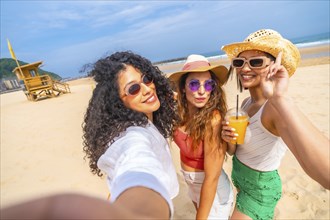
190,157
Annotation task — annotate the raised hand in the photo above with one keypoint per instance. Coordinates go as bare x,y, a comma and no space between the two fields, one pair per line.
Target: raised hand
276,81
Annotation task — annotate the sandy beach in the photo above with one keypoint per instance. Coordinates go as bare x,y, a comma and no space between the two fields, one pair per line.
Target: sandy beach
41,144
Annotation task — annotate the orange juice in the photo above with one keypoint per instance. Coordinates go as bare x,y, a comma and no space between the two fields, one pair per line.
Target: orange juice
240,123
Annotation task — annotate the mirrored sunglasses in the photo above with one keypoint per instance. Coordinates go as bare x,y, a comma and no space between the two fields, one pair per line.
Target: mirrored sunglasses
135,88
194,85
254,62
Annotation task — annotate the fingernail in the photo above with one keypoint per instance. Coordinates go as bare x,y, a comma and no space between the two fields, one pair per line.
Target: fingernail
236,134
233,129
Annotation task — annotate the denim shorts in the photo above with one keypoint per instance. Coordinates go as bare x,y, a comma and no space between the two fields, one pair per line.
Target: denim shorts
258,192
223,200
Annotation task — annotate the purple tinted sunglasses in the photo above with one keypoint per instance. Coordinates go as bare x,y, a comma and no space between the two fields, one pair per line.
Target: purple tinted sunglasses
194,85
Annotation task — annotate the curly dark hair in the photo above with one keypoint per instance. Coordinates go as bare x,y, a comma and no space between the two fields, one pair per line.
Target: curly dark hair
202,118
106,116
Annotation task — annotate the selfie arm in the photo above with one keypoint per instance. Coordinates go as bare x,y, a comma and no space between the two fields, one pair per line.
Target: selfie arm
306,142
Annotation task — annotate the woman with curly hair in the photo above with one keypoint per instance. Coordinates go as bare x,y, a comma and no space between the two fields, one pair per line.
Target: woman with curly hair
201,107
130,114
131,111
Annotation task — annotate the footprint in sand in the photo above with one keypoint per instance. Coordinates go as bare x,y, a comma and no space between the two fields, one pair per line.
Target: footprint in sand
293,195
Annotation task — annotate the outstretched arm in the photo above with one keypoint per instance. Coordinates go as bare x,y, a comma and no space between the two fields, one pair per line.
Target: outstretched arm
134,203
306,142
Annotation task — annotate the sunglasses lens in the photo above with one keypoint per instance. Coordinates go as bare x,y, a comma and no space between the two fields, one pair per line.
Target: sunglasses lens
147,79
134,89
256,62
238,63
209,85
194,85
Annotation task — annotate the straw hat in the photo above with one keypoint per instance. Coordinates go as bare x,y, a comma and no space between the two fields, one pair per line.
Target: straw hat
269,41
198,63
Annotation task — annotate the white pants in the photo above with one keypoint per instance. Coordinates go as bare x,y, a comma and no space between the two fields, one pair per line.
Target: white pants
223,200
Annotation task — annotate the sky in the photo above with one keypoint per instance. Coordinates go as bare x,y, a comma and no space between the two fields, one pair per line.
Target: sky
66,35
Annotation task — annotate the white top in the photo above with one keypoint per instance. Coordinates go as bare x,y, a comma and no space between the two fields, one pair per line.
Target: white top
140,157
261,150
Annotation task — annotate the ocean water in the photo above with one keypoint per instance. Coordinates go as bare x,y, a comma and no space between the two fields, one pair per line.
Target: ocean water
312,40
301,42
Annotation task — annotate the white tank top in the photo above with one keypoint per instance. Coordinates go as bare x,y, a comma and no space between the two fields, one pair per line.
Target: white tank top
261,150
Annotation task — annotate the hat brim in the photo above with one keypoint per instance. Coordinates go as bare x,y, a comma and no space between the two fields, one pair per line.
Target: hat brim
290,55
220,71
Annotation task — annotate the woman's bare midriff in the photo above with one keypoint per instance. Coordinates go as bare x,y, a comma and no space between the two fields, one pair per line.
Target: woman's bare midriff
189,169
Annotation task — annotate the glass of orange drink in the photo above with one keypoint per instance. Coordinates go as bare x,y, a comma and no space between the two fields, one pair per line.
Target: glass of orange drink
239,120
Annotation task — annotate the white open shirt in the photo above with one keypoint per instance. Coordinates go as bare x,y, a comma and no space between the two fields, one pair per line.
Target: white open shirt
140,157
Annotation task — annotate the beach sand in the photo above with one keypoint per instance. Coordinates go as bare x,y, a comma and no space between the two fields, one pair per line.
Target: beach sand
41,145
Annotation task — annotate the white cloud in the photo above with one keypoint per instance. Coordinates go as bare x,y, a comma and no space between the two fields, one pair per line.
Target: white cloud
67,34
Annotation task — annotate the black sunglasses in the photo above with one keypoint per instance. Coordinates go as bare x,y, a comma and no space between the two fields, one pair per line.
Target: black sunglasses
254,62
135,88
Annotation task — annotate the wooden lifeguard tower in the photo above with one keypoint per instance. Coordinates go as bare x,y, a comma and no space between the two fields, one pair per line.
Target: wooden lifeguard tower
39,86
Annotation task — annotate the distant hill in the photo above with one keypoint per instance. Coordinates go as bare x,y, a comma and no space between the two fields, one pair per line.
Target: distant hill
7,65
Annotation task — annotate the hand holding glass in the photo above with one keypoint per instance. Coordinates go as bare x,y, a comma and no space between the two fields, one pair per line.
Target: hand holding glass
239,120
